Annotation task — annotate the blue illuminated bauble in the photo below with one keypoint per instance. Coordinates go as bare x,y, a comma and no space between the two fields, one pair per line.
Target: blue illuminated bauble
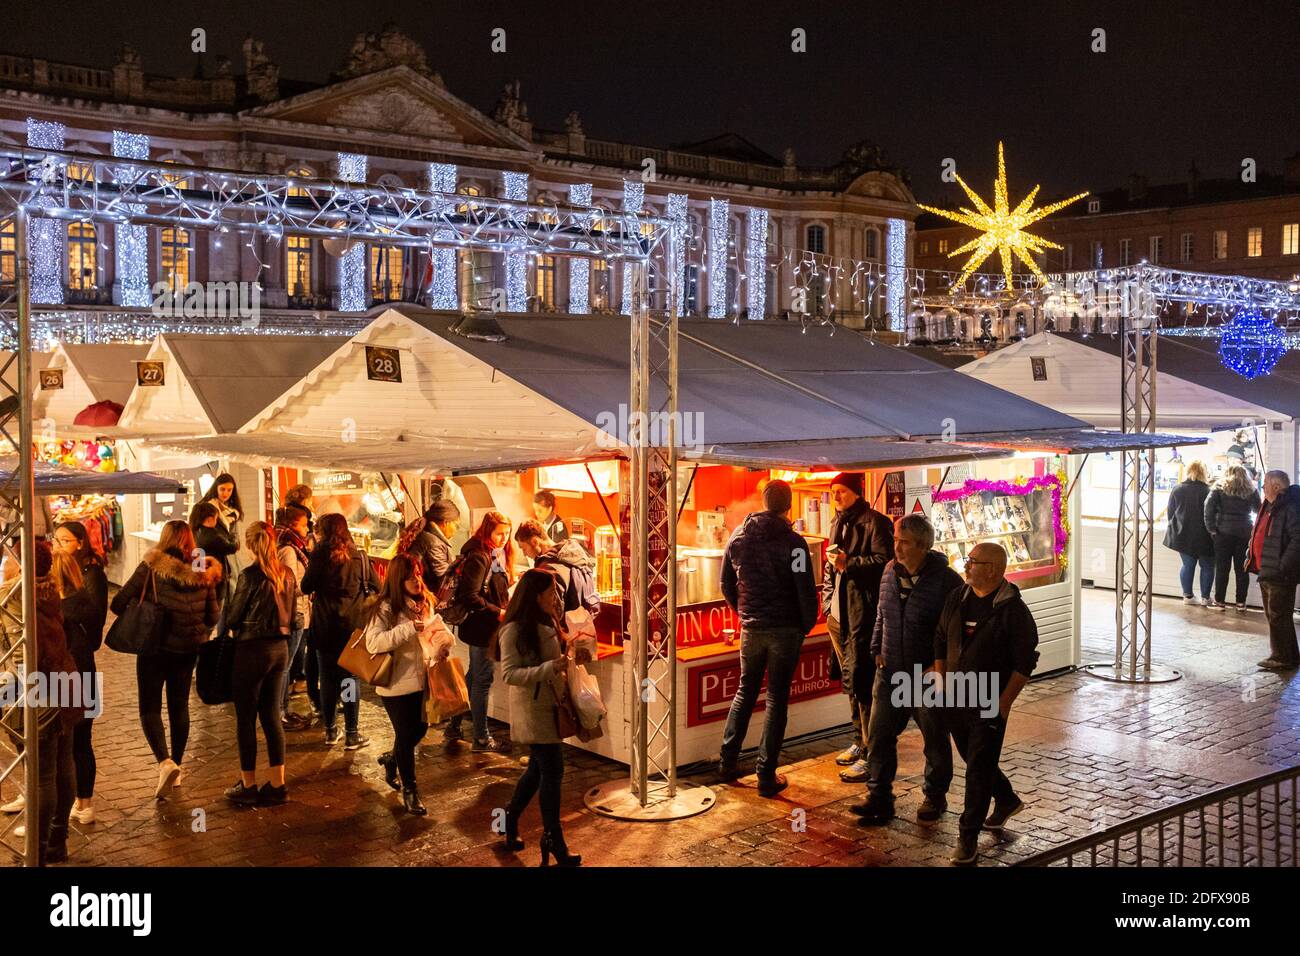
1251,344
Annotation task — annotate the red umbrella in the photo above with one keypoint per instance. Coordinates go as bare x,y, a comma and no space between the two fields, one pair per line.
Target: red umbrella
100,414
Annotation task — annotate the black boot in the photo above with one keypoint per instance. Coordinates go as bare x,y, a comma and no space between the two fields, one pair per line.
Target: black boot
390,769
411,800
513,843
553,844
57,850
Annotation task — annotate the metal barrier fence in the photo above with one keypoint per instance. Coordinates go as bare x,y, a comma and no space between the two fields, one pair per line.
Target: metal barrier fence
1252,823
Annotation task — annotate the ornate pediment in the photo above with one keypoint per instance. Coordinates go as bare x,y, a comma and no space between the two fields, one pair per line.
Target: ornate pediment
392,110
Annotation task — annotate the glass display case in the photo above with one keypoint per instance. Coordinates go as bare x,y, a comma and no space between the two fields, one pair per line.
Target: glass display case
1021,517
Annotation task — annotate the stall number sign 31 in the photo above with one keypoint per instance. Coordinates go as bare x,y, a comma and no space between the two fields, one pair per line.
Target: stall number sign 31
383,365
149,373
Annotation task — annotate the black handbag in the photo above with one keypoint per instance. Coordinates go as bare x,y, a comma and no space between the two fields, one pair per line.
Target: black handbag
214,678
139,629
355,613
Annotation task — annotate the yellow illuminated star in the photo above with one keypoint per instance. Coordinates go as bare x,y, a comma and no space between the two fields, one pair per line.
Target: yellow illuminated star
1002,228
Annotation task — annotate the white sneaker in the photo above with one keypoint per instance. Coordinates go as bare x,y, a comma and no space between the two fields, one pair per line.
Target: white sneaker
180,773
16,805
167,774
84,816
20,831
1188,599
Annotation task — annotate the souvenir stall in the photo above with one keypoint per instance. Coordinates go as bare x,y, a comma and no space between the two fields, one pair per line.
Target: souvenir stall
1236,420
534,403
198,384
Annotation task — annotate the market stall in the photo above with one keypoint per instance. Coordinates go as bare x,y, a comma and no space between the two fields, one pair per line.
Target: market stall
1240,421
536,405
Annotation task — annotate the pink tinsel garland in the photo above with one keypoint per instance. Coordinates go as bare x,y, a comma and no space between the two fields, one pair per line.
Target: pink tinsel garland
977,485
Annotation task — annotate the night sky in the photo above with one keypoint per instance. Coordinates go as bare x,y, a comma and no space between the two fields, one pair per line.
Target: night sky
1209,82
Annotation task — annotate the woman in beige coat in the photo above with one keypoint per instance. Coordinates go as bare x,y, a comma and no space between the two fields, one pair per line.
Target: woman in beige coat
533,662
403,621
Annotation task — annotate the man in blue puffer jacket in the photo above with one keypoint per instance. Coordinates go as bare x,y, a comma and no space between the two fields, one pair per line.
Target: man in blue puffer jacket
767,578
913,590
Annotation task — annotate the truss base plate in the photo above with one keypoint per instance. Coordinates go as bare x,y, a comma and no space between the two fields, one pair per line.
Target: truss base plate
616,799
1155,674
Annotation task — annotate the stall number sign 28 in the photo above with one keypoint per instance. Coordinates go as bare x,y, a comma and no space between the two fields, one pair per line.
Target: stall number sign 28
149,373
383,365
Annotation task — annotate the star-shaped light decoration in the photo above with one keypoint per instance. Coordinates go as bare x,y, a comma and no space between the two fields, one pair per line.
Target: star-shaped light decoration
1002,228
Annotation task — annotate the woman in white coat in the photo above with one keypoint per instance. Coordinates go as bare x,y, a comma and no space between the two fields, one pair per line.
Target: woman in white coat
403,621
533,661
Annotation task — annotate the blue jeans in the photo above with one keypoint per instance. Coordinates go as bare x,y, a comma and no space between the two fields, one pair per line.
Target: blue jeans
1190,561
479,679
331,687
295,642
773,653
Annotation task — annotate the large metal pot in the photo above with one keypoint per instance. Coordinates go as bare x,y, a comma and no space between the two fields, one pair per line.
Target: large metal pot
703,575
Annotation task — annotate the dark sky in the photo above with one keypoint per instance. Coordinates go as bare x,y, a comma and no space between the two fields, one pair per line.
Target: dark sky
1210,81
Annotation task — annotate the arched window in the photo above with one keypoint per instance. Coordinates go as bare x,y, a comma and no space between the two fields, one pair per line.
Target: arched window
546,283
385,272
297,265
83,266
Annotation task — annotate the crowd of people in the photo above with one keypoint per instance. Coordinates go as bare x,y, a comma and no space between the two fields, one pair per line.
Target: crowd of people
893,606
288,596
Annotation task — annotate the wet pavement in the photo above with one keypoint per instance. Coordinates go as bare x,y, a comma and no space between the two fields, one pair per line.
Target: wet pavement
1084,754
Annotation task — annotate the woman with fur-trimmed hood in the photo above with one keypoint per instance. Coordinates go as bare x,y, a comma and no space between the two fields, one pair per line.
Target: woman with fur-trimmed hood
187,596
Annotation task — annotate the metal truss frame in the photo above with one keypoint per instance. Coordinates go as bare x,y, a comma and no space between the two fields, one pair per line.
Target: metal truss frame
43,184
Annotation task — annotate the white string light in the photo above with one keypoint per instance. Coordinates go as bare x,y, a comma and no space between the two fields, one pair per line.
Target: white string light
446,291
719,219
756,263
633,201
45,236
515,187
132,241
353,293
580,269
895,278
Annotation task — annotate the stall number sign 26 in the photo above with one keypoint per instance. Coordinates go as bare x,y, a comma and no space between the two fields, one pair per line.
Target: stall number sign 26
51,378
383,365
149,373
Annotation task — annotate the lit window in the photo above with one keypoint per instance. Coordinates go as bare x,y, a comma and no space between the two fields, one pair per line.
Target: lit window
82,266
1220,243
1188,249
599,285
925,247
385,273
546,283
1291,239
298,264
1094,205
816,238
174,261
299,172
467,190
1254,241
8,260
1098,251
943,247
1126,252
1156,250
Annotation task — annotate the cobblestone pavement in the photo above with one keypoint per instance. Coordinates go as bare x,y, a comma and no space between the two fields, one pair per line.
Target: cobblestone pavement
1082,752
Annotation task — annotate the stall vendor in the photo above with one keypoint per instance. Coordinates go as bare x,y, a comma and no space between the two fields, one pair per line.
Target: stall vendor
544,512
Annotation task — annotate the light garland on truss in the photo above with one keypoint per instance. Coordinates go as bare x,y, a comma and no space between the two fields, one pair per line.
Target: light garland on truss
633,201
515,187
45,236
580,269
677,206
756,263
719,220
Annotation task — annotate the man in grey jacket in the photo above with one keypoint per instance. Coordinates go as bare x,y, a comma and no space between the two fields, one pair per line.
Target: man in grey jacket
767,579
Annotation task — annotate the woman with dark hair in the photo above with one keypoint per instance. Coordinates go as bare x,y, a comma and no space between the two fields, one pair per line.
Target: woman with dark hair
1230,511
261,616
216,540
533,660
225,496
338,578
291,539
188,599
486,573
404,622
300,498
84,612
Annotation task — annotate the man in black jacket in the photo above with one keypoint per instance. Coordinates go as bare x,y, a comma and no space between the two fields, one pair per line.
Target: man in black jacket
861,544
767,579
433,543
985,650
1275,557
913,590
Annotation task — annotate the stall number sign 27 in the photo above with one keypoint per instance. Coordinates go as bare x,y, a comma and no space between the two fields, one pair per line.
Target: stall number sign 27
383,365
149,373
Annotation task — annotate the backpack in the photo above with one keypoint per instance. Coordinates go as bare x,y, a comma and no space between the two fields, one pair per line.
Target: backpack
452,612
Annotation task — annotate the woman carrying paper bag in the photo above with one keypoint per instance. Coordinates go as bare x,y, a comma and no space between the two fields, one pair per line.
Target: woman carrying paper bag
402,622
